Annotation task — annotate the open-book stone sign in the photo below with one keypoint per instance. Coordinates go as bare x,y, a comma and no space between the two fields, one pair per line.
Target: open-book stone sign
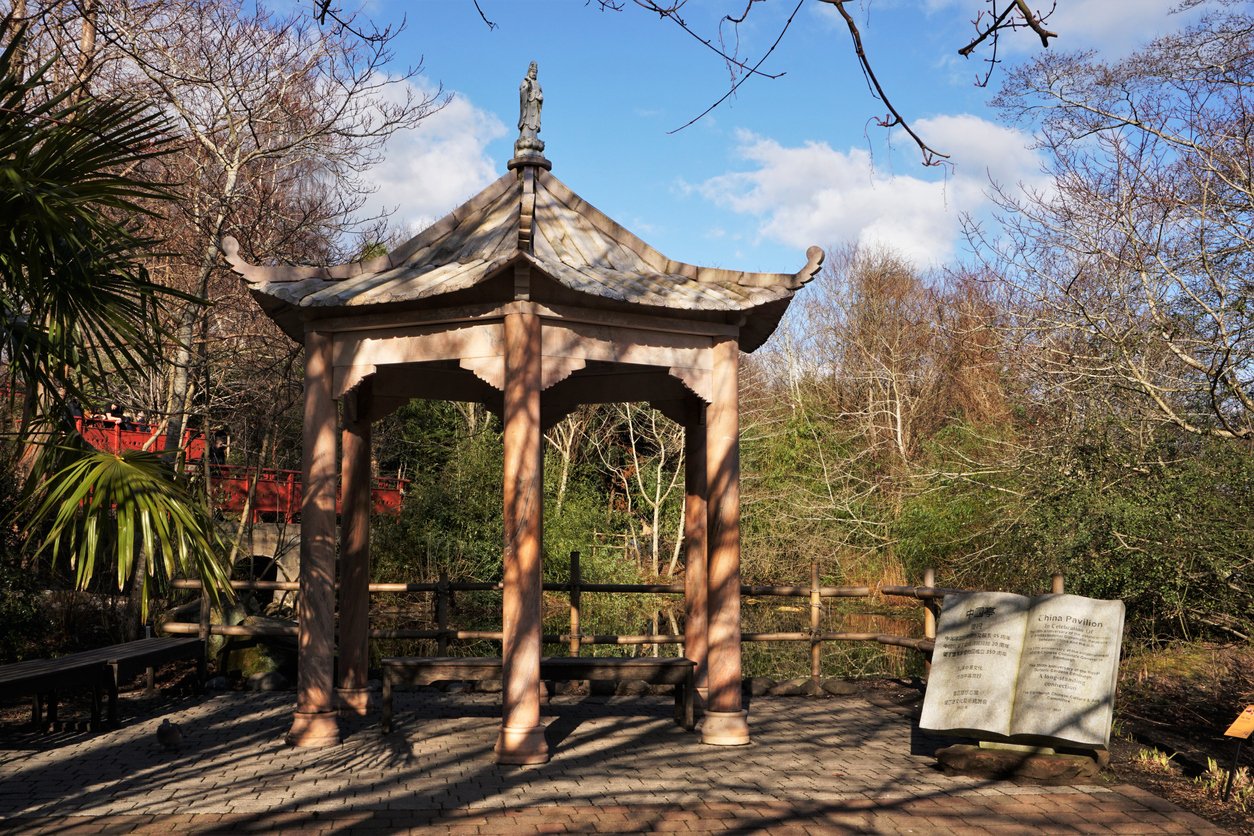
1025,670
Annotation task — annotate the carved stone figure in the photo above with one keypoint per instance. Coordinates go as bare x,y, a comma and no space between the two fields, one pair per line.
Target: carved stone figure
530,101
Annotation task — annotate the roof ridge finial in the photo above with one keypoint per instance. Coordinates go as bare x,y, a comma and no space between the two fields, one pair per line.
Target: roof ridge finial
529,148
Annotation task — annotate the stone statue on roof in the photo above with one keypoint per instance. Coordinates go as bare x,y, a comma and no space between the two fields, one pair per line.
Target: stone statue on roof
530,101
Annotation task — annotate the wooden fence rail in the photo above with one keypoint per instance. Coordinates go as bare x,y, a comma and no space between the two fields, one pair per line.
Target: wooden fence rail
929,596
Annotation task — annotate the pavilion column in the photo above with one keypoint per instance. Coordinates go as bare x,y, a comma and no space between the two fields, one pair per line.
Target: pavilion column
522,736
696,614
725,721
354,633
315,722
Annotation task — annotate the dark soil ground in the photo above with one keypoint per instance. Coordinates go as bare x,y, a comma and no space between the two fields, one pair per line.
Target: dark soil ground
1172,709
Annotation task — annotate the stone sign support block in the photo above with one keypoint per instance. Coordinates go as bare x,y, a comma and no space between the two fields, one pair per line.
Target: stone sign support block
1008,764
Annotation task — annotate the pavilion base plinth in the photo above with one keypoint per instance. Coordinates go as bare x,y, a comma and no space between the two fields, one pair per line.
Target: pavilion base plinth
314,728
353,701
522,746
725,728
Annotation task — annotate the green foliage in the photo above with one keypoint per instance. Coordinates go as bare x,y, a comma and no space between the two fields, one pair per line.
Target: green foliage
1163,524
421,438
960,498
75,299
1168,529
77,308
451,519
805,497
101,511
23,626
583,513
1215,779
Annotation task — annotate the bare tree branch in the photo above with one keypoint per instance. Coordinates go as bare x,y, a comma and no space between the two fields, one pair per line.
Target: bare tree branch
742,80
490,24
671,13
1002,21
931,157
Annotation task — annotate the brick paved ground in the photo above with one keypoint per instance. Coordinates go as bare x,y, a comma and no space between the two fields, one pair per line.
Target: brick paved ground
619,765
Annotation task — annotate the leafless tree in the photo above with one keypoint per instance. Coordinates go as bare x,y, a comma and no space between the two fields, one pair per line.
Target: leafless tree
873,320
1130,271
568,441
279,118
643,451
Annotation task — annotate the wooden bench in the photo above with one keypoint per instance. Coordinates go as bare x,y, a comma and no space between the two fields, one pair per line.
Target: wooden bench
427,670
101,669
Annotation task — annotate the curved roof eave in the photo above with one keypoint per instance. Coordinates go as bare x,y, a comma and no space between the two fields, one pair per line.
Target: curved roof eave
533,216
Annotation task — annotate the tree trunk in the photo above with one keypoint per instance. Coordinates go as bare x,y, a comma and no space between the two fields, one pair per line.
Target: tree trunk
179,389
135,597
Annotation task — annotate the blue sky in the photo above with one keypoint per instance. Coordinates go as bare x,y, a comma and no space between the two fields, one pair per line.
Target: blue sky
784,164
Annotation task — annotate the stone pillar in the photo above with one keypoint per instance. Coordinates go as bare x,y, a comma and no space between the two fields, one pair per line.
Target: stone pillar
522,736
696,614
725,721
315,722
354,635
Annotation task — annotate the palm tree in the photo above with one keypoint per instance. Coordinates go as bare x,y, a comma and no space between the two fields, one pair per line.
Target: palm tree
77,308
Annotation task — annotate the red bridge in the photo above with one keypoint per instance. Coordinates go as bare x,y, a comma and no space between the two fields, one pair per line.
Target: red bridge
108,435
277,495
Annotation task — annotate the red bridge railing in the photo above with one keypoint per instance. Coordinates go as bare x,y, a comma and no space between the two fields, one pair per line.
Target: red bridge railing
276,497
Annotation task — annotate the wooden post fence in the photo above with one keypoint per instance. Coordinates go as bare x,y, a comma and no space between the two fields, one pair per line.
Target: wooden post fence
441,613
930,611
576,579
929,596
816,621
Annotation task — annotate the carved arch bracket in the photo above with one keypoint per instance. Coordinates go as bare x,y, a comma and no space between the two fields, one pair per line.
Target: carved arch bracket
491,370
696,381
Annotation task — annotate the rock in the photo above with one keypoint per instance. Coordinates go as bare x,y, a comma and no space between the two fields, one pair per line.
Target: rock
217,683
840,687
248,660
277,641
455,686
268,681
232,615
759,686
246,657
813,688
1004,764
574,686
789,688
488,686
661,690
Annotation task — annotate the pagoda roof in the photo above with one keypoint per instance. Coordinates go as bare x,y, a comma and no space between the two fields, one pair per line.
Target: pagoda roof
527,216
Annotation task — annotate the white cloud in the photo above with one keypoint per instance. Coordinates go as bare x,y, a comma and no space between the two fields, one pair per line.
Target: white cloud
815,194
430,170
979,150
1112,27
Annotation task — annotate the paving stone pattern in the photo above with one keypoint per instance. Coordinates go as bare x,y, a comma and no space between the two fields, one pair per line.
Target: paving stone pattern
619,765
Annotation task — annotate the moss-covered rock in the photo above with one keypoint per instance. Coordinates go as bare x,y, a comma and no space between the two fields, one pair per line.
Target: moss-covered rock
245,658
